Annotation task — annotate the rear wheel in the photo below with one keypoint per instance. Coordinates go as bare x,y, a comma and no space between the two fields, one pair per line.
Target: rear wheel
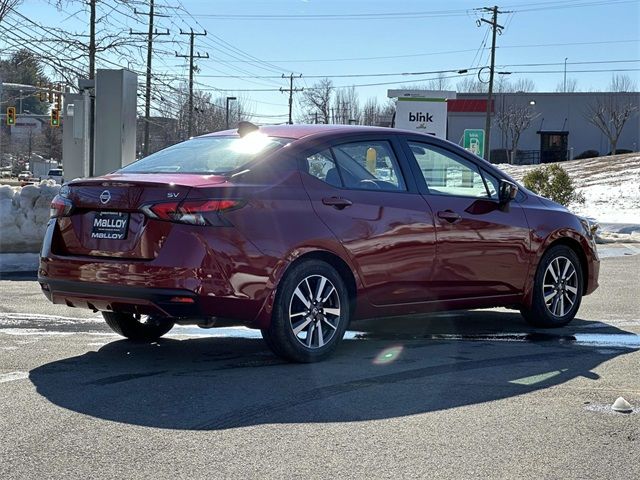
137,327
310,315
558,288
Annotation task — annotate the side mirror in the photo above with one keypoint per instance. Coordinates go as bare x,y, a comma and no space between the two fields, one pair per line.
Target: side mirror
508,191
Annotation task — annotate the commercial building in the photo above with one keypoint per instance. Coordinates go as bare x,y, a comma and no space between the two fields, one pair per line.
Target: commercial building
559,128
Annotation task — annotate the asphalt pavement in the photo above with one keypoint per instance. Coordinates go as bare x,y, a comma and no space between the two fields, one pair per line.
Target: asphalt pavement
455,395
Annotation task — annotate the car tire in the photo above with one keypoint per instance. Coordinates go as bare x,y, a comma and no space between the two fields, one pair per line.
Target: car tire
131,327
557,289
310,315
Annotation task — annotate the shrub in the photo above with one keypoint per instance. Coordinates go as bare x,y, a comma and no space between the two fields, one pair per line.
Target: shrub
587,154
553,181
620,151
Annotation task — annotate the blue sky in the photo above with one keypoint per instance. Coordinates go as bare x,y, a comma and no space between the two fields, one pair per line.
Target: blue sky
358,37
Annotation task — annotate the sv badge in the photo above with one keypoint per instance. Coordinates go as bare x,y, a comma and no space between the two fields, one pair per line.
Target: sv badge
173,195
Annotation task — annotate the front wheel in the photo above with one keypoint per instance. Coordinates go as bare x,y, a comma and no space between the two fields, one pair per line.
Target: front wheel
310,315
558,287
137,327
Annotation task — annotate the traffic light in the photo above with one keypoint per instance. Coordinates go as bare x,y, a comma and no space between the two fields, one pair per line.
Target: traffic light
42,95
55,117
11,115
50,93
58,98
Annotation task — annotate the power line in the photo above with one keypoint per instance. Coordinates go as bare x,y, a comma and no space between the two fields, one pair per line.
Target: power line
398,74
405,15
446,52
558,5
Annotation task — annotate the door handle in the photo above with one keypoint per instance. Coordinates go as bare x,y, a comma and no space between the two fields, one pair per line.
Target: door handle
337,202
449,215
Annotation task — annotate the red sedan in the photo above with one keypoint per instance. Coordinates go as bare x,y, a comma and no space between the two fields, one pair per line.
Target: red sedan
297,230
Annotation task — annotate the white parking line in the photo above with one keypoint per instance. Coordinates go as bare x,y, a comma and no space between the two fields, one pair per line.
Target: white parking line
11,376
58,318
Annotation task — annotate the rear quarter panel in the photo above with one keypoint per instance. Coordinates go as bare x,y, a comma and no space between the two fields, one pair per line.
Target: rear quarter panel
281,223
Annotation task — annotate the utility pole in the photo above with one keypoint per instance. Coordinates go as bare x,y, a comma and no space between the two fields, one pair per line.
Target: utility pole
92,38
2,112
227,111
291,90
90,97
496,28
147,95
191,56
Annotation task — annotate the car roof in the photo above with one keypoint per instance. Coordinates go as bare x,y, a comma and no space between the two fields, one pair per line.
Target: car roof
300,131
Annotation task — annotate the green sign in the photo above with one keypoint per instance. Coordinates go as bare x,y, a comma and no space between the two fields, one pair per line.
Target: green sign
473,140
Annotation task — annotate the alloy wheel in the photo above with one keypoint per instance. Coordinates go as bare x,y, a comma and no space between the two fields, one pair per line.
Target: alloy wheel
314,311
560,286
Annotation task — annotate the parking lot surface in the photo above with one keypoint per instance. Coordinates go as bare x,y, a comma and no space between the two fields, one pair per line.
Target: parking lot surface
458,395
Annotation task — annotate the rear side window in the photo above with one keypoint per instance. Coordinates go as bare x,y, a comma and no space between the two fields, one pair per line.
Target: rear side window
322,166
208,155
368,166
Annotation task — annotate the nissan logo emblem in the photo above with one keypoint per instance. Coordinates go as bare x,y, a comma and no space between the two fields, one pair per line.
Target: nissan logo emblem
105,197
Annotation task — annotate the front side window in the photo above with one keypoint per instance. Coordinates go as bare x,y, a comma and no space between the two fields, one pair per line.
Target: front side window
448,174
369,165
208,155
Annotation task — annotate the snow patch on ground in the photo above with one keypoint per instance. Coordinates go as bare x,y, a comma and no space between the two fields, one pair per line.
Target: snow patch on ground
24,213
611,187
612,204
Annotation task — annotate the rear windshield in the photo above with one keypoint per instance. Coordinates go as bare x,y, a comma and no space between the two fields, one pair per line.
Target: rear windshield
208,155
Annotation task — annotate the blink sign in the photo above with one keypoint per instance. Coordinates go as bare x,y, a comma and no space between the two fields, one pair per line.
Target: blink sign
423,111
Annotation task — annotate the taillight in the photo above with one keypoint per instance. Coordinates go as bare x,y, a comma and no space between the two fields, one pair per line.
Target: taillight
60,207
192,212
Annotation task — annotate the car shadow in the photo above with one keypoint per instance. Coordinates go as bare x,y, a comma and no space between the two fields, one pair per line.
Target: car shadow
213,383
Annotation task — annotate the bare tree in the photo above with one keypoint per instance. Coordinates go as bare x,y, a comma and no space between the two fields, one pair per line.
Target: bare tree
525,85
472,85
346,106
622,83
316,101
441,82
610,111
6,6
371,112
103,34
572,86
512,121
209,115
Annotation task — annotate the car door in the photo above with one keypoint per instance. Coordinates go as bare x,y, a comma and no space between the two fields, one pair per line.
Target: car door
482,248
360,191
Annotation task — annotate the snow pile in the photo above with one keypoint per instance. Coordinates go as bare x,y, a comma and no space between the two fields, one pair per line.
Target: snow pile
610,185
24,213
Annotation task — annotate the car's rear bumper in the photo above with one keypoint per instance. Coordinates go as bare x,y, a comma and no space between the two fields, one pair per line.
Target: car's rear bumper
212,267
165,302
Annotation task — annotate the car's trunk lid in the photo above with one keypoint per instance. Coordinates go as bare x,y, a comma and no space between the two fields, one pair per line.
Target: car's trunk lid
107,220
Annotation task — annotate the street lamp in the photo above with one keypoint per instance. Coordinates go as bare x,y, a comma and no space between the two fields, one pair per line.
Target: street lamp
565,74
227,110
